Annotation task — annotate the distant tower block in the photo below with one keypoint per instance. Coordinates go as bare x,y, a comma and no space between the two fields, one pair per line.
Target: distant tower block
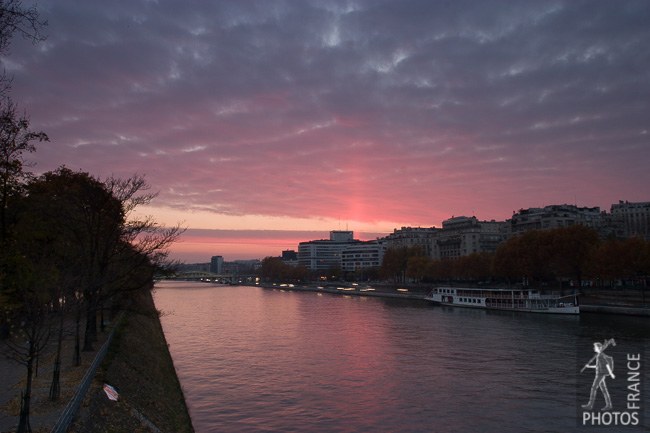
216,265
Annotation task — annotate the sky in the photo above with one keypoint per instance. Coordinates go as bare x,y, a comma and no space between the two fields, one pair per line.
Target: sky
264,123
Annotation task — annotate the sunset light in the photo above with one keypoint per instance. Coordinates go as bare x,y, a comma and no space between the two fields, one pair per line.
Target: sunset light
317,116
324,216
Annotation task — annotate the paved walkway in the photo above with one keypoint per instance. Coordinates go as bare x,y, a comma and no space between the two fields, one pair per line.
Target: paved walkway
44,413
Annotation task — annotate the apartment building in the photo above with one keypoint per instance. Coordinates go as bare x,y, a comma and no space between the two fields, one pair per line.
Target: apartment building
320,255
216,265
462,236
553,216
410,236
363,255
635,218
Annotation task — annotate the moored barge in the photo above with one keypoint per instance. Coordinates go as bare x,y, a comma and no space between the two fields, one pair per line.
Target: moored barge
528,300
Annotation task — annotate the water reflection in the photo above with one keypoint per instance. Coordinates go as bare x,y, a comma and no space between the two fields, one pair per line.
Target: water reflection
251,359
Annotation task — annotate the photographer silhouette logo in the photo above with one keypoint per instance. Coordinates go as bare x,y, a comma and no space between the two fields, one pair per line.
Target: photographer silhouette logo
620,413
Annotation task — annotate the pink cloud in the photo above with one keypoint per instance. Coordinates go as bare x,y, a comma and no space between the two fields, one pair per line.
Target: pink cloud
252,109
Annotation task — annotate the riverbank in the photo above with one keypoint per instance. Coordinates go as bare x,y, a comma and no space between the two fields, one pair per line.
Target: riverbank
44,413
415,292
593,302
139,366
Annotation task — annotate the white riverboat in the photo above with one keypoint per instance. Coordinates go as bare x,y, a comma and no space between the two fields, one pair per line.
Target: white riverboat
528,300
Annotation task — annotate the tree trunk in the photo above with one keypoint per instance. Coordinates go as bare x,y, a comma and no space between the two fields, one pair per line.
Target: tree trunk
88,337
23,424
77,341
55,387
90,334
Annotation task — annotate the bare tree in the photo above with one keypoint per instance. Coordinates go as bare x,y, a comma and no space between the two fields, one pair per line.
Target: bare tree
16,19
111,251
32,325
16,139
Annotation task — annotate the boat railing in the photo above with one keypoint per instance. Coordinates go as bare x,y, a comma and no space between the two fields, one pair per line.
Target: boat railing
498,295
491,295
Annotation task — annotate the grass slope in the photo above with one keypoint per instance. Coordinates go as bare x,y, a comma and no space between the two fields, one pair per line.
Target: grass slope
138,365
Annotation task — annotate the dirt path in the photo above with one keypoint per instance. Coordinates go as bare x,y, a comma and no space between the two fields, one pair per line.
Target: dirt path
44,413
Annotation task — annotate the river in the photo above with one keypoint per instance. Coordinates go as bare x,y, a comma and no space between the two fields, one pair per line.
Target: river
267,360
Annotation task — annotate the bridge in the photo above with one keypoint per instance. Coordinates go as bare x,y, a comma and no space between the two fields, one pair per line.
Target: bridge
201,276
210,277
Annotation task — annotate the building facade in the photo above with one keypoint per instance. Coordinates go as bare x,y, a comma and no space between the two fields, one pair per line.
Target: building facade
552,217
289,257
462,236
411,236
216,265
635,218
321,255
363,255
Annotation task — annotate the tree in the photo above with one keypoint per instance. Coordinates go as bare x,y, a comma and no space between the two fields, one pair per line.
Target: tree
122,252
76,247
395,262
573,250
273,269
32,324
16,139
110,252
391,263
45,238
300,273
143,246
334,272
507,262
90,218
475,266
635,257
416,267
609,260
14,18
442,269
15,136
534,250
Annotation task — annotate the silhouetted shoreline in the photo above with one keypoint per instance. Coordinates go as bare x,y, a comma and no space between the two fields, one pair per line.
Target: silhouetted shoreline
589,303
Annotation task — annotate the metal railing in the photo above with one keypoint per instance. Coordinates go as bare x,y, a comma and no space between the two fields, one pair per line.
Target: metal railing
70,411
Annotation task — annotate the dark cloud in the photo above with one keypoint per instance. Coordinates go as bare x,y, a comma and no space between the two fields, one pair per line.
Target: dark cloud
380,110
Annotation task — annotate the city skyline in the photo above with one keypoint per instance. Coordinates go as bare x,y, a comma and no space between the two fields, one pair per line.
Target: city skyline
632,216
266,123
